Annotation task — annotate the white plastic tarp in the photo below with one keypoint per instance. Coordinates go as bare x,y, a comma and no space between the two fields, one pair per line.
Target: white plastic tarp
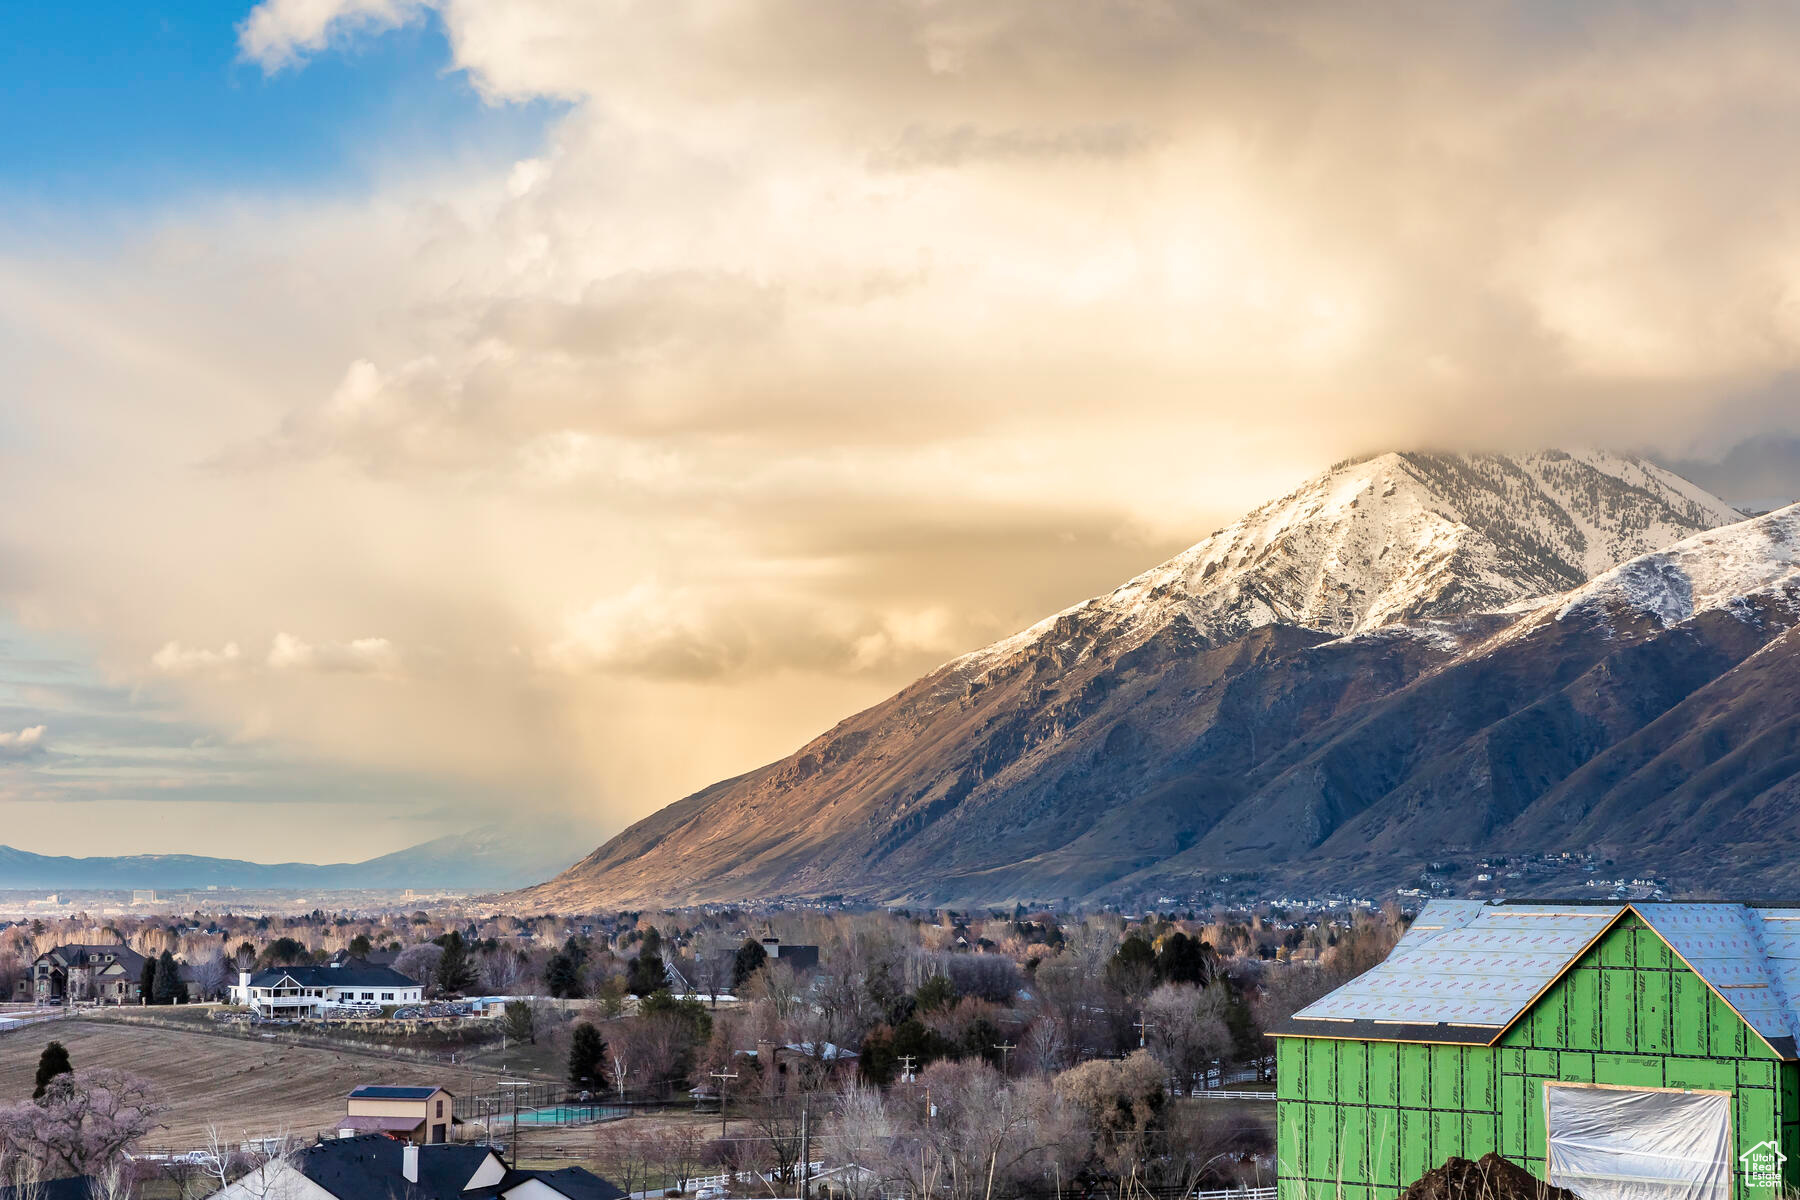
1619,1144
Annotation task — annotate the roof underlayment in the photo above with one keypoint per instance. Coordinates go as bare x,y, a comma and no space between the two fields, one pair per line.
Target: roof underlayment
1477,966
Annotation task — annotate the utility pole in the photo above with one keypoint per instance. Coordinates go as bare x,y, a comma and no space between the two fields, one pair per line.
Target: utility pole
1143,1027
805,1154
906,1068
515,1085
722,1076
1004,1048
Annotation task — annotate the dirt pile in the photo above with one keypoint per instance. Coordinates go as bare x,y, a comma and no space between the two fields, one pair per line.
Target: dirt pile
1492,1178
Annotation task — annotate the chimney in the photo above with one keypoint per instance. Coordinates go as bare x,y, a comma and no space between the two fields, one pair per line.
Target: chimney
409,1162
244,987
772,946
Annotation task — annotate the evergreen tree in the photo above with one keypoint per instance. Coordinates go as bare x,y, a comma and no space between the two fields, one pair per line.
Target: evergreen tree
52,1062
563,978
1132,968
147,980
520,1021
167,987
1183,959
455,970
359,945
748,960
587,1058
935,993
646,974
286,951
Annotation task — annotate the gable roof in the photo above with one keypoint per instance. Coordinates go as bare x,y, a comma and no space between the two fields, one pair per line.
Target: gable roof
368,1167
1468,969
76,954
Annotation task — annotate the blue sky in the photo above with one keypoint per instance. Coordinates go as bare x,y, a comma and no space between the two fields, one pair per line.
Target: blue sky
115,105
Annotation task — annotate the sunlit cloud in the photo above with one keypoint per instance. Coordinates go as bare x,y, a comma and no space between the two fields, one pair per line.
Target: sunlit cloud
816,344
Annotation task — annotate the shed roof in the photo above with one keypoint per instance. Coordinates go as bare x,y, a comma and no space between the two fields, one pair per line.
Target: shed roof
377,1091
1467,969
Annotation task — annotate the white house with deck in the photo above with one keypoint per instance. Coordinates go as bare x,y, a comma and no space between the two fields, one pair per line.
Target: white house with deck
312,991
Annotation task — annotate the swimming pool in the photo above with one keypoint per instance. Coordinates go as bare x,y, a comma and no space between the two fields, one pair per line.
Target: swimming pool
560,1114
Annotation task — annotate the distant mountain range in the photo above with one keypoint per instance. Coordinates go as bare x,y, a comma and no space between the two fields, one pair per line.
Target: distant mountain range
486,859
1505,654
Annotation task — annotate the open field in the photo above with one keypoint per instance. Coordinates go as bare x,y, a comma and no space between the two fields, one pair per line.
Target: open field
246,1087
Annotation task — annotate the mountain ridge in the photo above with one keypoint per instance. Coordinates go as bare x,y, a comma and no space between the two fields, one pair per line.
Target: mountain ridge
486,858
1113,735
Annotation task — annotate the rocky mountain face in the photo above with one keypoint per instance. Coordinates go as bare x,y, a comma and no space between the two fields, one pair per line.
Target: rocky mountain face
1511,653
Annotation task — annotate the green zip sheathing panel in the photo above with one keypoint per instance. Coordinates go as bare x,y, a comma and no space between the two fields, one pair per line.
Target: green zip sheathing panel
1362,1119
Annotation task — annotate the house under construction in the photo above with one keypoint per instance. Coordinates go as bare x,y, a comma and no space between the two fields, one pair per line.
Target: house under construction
1624,1051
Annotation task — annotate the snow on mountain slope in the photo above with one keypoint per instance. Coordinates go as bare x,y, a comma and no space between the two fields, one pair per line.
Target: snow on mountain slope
1714,570
1403,536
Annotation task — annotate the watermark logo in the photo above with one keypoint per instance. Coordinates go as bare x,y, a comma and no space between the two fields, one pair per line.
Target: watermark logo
1761,1165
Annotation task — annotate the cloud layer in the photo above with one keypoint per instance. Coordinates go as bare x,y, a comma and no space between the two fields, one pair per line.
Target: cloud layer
821,342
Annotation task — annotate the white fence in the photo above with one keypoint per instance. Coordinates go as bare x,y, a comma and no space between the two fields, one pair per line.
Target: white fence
813,1171
12,1024
1228,1094
1261,1193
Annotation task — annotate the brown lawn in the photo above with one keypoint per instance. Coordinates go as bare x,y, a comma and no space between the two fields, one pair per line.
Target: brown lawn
246,1088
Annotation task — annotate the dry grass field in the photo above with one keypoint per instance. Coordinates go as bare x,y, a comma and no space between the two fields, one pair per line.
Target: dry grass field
245,1087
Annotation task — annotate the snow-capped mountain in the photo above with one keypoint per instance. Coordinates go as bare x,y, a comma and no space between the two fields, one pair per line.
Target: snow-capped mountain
1206,714
1401,536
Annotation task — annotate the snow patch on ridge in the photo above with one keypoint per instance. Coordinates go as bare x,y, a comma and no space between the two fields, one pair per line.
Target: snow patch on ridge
1713,570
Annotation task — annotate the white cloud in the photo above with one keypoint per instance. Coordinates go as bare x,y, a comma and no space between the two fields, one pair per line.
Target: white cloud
176,659
279,33
22,743
363,656
287,653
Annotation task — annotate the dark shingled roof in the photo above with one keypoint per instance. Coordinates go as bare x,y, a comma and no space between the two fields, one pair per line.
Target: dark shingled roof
75,1187
346,976
375,1091
369,1168
76,954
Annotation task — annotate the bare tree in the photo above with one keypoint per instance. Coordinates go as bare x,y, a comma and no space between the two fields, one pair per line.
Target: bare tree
254,1168
21,1171
419,963
863,1132
209,975
777,986
624,1155
1187,1028
501,971
84,1120
113,1180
